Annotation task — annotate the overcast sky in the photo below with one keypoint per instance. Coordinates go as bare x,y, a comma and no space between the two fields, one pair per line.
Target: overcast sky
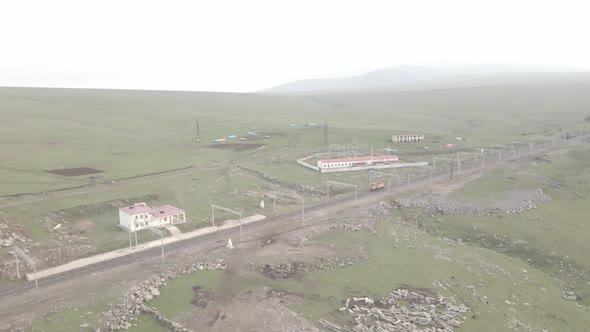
249,45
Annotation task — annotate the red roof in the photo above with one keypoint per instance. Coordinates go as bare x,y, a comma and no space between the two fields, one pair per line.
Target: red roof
158,212
136,208
391,157
165,211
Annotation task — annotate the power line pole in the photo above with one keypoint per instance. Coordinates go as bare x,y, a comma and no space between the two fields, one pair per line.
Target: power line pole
326,137
198,132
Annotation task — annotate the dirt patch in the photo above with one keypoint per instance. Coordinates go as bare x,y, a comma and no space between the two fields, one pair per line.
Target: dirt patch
202,298
75,171
264,311
236,146
83,226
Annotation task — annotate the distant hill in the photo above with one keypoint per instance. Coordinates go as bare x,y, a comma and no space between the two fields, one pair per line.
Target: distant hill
401,77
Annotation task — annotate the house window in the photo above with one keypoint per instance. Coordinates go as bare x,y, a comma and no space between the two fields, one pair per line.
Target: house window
136,217
165,219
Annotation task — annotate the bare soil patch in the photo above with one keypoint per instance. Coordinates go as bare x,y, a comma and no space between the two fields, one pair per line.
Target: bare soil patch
202,297
75,171
83,226
236,146
264,311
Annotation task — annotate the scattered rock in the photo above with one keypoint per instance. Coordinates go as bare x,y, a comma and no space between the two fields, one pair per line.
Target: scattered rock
404,310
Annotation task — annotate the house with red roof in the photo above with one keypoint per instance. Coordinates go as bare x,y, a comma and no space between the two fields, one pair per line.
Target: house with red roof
141,215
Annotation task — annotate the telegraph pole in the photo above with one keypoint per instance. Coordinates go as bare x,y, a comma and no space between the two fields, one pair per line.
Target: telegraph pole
159,232
326,136
198,132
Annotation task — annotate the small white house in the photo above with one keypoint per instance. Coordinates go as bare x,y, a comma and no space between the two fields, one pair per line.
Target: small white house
140,215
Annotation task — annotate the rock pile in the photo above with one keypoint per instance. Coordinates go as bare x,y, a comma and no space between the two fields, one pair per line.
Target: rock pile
569,295
297,269
520,202
378,211
284,271
332,263
425,313
8,237
307,234
354,227
131,306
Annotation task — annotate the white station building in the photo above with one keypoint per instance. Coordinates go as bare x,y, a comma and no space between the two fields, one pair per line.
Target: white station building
140,215
357,161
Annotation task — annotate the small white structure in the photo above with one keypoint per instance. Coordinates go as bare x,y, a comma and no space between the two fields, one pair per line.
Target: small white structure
261,205
407,138
140,215
230,245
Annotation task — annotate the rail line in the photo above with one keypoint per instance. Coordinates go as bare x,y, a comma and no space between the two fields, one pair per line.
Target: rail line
209,238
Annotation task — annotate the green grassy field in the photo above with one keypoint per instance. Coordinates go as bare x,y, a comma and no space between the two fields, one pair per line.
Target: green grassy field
497,288
129,133
510,270
132,133
551,237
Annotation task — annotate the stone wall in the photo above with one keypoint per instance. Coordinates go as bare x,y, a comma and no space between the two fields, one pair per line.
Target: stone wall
132,303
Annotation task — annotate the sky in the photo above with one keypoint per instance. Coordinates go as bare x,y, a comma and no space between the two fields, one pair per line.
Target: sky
242,46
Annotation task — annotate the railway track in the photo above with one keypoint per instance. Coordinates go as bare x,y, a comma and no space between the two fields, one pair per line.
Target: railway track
172,247
221,235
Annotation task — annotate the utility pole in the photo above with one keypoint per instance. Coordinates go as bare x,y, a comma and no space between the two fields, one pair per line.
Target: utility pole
434,167
239,214
326,137
159,232
296,196
198,133
18,251
452,168
328,182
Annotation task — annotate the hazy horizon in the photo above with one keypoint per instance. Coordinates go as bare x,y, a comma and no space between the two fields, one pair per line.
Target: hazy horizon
243,47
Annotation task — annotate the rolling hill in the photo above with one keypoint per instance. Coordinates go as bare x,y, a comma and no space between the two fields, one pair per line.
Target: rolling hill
424,77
